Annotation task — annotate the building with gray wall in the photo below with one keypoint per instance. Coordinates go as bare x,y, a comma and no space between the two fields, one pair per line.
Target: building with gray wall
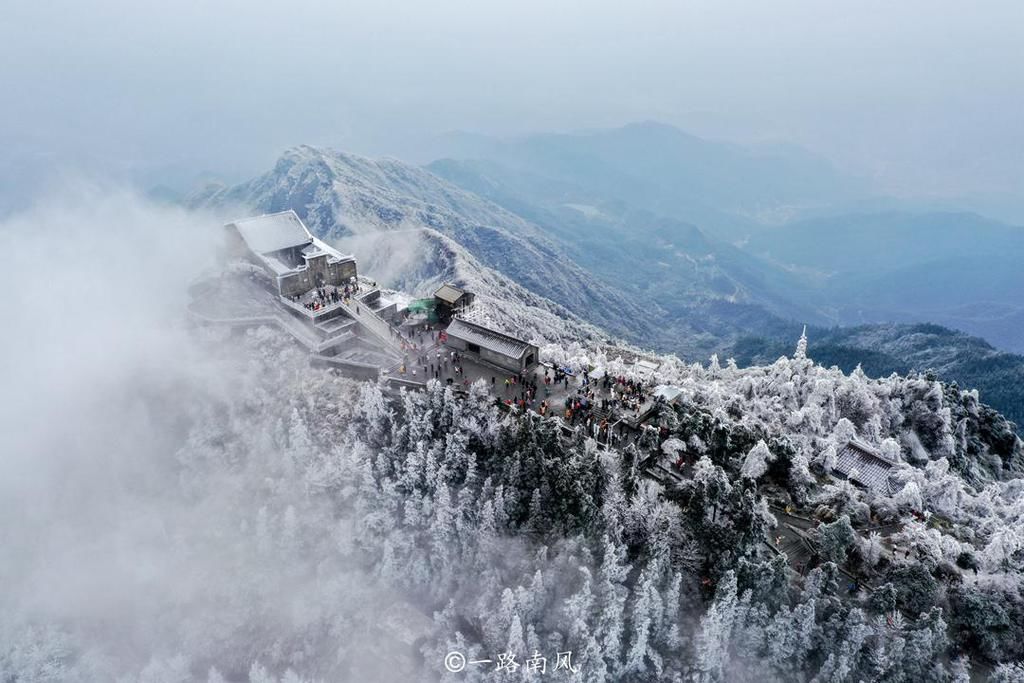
491,346
284,248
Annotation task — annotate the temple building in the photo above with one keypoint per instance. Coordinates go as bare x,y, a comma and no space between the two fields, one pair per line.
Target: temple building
862,465
284,248
451,300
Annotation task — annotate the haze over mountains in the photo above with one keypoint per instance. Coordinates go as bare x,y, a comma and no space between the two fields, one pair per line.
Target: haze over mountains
726,188
340,195
674,243
957,269
836,253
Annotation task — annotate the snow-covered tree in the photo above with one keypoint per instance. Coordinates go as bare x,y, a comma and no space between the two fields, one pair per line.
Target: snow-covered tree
755,464
801,346
715,633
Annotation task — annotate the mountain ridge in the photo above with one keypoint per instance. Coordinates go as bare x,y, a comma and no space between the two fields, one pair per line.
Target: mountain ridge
344,196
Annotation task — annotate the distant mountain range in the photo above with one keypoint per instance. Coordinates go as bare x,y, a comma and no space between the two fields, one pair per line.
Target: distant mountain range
819,246
957,269
725,189
568,227
715,296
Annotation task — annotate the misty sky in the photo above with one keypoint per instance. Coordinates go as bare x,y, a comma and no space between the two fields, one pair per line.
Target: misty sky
926,96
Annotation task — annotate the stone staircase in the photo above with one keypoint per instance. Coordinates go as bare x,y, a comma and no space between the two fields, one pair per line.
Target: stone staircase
378,328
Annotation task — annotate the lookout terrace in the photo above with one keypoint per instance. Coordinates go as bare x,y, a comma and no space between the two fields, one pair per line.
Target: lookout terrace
279,274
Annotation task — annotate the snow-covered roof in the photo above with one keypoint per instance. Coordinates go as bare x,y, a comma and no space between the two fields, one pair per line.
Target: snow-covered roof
318,247
273,232
645,366
449,294
487,338
862,465
278,266
271,235
667,392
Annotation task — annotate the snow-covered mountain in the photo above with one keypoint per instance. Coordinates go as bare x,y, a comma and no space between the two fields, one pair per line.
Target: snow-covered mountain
696,312
729,188
674,264
418,261
192,504
341,195
683,292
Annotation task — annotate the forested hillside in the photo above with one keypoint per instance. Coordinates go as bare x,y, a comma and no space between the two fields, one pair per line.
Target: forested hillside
405,527
881,350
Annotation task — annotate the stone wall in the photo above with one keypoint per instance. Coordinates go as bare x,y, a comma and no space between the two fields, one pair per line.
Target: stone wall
332,273
305,280
295,284
501,360
353,369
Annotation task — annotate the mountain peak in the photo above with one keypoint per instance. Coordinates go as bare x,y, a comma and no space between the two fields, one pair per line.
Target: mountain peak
650,127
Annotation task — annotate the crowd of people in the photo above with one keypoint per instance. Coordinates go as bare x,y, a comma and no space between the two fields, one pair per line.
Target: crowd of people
595,405
328,295
526,388
624,393
436,365
418,339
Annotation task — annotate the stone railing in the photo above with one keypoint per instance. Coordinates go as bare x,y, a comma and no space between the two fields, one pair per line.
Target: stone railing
374,324
298,308
302,310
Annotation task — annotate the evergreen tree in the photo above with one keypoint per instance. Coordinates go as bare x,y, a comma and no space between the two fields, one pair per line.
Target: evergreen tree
611,598
756,462
835,540
715,632
801,346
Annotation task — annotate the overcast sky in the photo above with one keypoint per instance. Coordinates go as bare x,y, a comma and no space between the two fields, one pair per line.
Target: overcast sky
924,95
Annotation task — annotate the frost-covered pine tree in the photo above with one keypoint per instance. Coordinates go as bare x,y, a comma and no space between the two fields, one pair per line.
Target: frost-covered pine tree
844,432
1004,549
827,459
715,632
801,346
835,539
611,597
755,464
516,643
800,477
871,548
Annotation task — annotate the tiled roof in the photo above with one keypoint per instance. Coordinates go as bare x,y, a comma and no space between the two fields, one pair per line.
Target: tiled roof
488,339
273,232
449,294
860,464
